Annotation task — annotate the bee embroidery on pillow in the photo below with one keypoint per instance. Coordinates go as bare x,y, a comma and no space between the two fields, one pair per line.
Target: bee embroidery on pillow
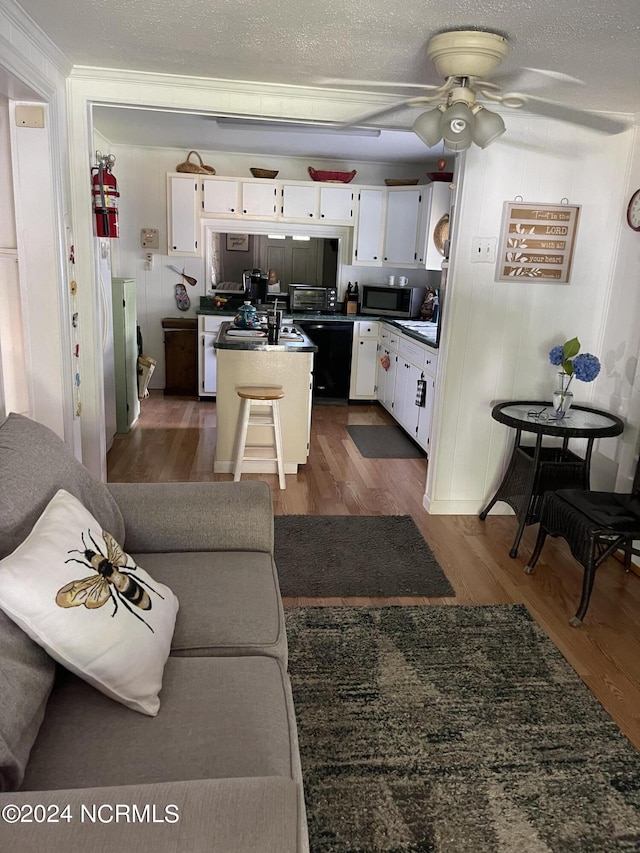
113,581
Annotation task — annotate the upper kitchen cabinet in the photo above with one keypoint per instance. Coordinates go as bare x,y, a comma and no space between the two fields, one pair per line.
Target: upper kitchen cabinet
259,199
401,227
299,201
368,235
220,197
226,197
182,214
436,203
312,201
336,204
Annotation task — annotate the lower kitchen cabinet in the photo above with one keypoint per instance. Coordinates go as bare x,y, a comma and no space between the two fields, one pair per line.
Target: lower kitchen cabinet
364,360
407,388
180,348
387,374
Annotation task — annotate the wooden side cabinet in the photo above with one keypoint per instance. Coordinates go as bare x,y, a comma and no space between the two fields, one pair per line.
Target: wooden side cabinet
181,356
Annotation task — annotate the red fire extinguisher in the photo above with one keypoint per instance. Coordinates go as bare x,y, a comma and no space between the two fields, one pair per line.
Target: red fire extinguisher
104,191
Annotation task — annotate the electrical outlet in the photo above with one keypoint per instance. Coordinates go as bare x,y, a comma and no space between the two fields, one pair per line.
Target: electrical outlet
483,250
148,261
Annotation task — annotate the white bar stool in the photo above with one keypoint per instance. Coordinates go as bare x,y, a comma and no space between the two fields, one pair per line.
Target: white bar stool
261,396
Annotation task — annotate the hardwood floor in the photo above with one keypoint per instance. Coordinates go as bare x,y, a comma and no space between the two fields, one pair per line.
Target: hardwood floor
174,440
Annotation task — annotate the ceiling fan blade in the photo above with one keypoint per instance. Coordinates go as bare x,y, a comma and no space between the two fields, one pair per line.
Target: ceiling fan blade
379,84
363,119
551,109
526,79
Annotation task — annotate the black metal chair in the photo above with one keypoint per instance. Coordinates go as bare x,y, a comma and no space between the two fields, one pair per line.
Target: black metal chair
595,524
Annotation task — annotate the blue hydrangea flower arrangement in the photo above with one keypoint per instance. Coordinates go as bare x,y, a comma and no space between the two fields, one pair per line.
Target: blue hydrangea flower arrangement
584,366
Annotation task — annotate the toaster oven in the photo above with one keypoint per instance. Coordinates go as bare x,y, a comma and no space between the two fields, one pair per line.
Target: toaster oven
309,297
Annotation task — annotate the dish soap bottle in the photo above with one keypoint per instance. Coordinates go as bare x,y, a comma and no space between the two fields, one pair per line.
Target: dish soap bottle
247,317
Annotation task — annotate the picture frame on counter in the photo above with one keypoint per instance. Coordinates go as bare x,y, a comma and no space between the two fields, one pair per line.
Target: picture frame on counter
237,242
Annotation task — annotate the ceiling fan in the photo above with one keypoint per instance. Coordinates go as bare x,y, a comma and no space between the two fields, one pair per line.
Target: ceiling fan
466,59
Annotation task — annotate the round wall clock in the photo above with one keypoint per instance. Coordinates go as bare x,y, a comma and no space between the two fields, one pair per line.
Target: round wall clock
633,211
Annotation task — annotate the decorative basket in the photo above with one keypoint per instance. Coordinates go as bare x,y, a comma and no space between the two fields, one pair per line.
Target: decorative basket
263,173
194,168
331,177
401,182
441,233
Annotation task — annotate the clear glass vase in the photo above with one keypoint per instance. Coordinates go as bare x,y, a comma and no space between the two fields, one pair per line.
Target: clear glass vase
562,396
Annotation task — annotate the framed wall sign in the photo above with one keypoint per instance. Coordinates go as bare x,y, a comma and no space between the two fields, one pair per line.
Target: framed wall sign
537,241
237,242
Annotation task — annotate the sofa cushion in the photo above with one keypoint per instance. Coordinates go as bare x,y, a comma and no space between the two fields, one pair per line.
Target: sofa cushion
34,464
230,602
219,717
26,679
73,590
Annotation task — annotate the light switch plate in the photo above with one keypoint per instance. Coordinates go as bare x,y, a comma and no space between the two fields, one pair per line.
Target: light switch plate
483,250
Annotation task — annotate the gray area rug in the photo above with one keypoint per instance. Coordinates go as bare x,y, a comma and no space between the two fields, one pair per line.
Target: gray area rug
453,730
383,442
324,556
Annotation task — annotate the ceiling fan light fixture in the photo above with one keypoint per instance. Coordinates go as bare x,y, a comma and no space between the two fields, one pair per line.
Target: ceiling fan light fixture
427,127
456,126
487,127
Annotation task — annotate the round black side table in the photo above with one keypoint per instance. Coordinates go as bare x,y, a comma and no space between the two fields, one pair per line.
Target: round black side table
535,469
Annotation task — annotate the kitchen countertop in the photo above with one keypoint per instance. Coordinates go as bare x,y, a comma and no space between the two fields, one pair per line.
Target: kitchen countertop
224,341
334,316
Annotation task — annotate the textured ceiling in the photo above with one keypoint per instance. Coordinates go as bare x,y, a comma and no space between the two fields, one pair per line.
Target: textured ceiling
297,42
303,43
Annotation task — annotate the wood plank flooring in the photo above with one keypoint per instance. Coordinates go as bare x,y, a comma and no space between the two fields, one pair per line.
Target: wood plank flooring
174,440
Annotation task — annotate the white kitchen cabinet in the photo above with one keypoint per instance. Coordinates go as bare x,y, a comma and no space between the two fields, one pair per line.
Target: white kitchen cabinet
364,360
299,201
182,215
401,226
259,199
411,362
387,378
368,231
220,197
336,204
208,327
436,202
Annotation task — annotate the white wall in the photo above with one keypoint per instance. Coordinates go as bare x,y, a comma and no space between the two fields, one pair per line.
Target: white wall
34,70
498,334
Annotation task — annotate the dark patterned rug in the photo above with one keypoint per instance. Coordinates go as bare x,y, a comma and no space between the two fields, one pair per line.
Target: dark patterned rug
386,441
325,556
453,730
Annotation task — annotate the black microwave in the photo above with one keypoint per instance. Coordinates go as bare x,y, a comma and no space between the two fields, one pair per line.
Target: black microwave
309,297
384,300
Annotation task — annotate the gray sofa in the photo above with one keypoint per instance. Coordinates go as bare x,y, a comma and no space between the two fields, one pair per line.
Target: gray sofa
218,768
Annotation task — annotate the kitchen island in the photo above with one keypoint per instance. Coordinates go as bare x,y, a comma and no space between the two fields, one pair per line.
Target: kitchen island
248,359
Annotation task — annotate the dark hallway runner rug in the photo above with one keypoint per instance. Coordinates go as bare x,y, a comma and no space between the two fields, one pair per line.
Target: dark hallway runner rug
325,556
449,729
